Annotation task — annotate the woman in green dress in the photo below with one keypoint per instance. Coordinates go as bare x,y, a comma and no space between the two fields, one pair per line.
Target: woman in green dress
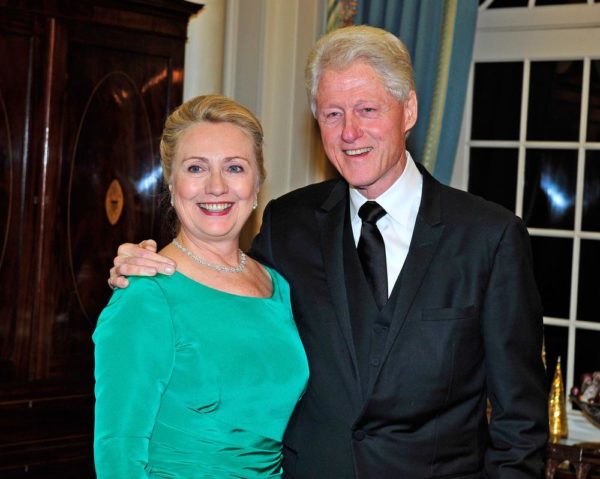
197,373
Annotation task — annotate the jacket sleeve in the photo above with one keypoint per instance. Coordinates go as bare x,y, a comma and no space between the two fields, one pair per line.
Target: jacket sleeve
134,352
517,387
260,249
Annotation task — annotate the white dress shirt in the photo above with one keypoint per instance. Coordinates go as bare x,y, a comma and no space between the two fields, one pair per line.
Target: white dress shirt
401,202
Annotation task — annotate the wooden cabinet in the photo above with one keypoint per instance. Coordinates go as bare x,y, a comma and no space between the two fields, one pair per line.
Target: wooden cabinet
85,87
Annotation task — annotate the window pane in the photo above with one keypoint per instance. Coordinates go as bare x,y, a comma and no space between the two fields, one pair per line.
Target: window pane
493,174
556,342
508,3
497,101
593,128
587,359
591,192
552,267
589,286
557,2
549,193
554,101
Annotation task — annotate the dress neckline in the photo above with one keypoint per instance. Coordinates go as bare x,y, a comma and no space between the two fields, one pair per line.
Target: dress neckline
274,286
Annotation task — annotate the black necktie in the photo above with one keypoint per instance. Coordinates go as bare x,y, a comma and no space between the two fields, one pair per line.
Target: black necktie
371,251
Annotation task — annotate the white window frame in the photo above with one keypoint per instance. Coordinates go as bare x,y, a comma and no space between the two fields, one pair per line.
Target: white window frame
528,34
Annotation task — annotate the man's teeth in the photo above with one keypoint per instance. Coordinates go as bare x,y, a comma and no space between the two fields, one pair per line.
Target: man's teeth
215,206
358,151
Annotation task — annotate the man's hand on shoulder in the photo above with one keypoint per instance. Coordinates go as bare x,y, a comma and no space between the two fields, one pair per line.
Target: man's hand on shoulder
138,260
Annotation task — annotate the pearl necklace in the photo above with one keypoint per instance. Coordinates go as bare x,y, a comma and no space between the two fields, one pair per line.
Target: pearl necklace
217,267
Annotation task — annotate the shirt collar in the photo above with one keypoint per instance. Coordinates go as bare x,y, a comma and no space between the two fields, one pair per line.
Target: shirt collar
397,200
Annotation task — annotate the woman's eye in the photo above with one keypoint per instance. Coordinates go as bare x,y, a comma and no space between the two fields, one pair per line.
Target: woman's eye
235,169
194,169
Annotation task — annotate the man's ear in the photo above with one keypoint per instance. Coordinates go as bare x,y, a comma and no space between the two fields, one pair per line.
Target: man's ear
411,111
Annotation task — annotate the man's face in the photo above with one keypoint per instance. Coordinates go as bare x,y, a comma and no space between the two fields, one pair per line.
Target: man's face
363,127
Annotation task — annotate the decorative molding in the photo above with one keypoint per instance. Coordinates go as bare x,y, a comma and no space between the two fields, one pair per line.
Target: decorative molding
265,72
204,52
539,18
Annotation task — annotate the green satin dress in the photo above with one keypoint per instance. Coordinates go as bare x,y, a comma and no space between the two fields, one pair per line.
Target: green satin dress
192,382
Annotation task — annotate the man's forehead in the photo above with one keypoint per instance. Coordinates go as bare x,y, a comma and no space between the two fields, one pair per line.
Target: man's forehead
354,94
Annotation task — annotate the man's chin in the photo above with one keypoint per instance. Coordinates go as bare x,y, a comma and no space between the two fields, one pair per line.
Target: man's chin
365,190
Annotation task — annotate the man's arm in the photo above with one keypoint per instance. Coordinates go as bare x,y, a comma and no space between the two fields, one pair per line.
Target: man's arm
260,249
138,260
143,260
516,381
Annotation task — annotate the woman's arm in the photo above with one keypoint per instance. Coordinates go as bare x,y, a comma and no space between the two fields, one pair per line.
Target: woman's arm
134,357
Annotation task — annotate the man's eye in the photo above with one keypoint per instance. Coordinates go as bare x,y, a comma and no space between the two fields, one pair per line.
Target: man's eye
330,117
369,110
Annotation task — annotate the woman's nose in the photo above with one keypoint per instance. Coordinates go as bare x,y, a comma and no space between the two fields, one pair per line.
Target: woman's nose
216,184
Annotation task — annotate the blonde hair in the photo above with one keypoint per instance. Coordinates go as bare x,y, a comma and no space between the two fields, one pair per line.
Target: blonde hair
381,50
213,109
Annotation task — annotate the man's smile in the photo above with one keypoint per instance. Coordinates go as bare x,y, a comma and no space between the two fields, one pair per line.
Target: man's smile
358,151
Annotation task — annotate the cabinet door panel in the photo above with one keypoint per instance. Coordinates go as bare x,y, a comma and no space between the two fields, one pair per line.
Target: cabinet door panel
15,207
85,87
109,184
111,194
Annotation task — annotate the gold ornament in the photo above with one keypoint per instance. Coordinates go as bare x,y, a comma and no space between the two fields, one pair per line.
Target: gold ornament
544,353
113,202
557,410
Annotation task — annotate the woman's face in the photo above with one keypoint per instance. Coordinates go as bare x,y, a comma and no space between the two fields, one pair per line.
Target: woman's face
214,181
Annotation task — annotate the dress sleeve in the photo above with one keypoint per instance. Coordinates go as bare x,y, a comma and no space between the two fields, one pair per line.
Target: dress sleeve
134,352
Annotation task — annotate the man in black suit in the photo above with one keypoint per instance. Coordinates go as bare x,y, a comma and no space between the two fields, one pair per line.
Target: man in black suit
415,302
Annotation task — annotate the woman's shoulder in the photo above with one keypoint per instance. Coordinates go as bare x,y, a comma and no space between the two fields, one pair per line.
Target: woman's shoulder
142,309
281,287
275,275
143,285
142,291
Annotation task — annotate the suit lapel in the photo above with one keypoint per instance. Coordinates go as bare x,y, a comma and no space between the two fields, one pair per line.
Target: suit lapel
426,236
331,218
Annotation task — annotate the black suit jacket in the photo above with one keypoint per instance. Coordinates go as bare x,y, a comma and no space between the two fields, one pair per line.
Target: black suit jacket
466,325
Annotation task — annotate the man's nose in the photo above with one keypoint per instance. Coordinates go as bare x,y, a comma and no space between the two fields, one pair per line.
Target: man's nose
352,130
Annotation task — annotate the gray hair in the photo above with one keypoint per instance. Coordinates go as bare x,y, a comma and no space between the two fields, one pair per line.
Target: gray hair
381,50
